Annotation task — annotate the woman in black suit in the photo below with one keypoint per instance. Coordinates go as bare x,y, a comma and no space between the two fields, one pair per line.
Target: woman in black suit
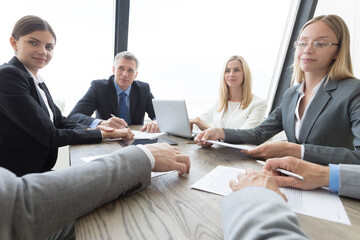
31,126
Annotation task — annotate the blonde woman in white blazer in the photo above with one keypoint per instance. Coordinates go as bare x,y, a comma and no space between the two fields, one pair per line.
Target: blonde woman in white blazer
236,107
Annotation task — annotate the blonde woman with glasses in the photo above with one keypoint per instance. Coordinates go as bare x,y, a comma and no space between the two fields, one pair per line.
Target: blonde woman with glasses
320,115
237,106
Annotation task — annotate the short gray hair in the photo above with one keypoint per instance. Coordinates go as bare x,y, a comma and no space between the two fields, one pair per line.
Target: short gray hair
128,56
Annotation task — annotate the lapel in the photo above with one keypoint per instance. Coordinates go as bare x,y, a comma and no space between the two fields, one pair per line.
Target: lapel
34,92
289,109
111,98
50,101
316,107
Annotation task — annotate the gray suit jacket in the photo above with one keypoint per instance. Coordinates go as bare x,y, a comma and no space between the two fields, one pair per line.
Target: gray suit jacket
38,205
260,213
349,185
330,131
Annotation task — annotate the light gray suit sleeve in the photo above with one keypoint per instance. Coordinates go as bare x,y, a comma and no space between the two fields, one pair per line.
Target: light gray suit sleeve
349,185
38,205
335,155
259,213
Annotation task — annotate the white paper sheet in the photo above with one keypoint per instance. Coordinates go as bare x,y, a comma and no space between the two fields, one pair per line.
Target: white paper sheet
238,146
153,174
138,135
217,181
320,203
145,135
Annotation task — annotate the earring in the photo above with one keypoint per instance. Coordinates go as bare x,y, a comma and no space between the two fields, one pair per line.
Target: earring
15,52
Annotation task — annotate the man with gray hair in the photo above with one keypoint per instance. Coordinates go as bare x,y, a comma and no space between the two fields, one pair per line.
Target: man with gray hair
118,101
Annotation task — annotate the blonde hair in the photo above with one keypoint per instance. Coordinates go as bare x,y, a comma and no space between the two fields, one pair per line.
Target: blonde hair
341,67
224,93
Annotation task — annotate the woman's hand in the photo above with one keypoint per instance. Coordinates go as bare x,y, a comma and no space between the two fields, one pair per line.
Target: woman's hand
315,175
211,133
200,123
272,149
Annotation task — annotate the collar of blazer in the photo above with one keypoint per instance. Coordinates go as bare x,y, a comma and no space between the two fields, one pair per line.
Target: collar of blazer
330,85
316,107
34,92
16,62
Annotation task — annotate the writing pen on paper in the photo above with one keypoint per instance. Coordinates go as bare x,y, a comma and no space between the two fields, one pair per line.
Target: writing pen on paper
284,171
121,123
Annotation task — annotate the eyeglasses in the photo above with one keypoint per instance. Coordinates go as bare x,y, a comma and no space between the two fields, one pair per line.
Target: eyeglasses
315,44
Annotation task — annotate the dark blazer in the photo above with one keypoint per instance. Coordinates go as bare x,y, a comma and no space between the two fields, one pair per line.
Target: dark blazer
28,139
330,131
101,98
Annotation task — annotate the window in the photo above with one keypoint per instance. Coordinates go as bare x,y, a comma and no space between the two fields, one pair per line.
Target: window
183,45
347,10
85,42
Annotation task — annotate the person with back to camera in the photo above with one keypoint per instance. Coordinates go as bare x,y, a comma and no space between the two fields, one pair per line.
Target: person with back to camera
247,216
237,106
45,205
118,101
31,125
321,116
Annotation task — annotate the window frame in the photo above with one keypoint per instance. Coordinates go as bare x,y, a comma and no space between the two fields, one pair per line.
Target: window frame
281,80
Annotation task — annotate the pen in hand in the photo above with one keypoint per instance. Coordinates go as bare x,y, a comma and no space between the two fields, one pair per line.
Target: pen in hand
115,117
283,171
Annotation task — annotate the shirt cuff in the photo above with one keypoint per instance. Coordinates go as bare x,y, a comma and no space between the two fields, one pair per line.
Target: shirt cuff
148,154
94,123
302,151
334,177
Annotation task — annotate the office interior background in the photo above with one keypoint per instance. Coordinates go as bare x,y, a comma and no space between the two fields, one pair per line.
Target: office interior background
181,45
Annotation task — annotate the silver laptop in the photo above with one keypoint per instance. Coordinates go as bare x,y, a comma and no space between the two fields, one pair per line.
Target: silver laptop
172,117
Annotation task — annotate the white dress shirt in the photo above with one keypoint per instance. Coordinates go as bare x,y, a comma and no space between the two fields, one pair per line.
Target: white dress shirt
38,80
236,117
298,121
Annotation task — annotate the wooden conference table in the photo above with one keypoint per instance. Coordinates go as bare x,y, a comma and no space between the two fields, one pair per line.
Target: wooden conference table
170,209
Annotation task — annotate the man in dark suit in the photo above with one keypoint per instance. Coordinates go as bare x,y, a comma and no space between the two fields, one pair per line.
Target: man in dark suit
118,101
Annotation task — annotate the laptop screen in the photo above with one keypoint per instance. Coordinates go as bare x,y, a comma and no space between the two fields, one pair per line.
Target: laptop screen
172,117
